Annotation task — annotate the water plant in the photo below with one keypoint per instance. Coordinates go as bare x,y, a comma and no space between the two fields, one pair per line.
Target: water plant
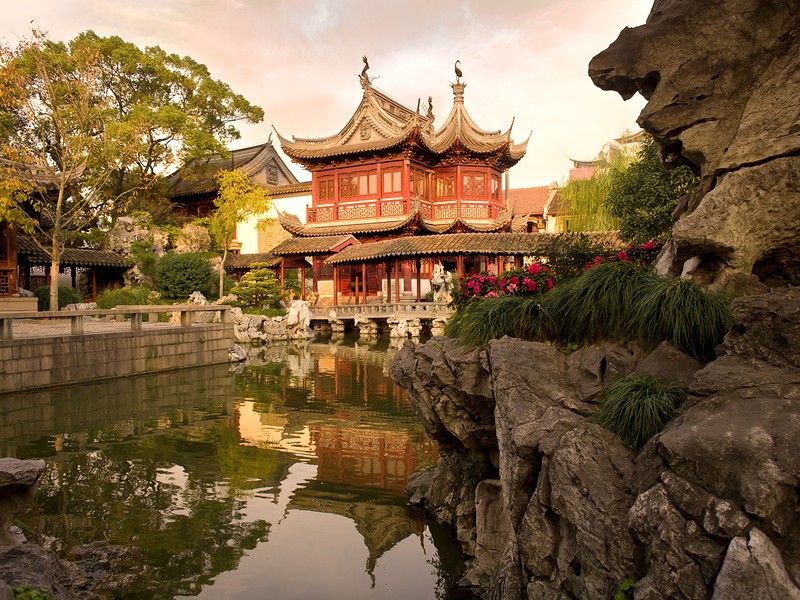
637,407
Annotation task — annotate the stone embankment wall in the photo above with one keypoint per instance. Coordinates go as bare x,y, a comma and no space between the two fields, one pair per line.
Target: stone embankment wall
552,506
35,362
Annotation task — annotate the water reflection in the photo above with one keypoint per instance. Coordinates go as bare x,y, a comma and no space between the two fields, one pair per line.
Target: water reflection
288,476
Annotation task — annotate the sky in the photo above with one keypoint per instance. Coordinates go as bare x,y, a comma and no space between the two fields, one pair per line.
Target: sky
299,60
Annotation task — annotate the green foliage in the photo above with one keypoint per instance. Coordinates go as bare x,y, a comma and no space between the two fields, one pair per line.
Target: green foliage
637,407
626,590
679,311
66,295
238,199
617,301
178,275
568,253
644,195
587,203
144,255
126,296
27,592
595,306
259,288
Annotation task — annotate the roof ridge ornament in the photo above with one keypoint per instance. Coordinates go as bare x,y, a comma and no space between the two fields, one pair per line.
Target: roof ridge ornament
459,74
363,78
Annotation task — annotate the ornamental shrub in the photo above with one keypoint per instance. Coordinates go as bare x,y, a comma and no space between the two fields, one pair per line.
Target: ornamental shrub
126,296
642,255
66,295
524,281
637,407
567,253
259,288
178,275
617,301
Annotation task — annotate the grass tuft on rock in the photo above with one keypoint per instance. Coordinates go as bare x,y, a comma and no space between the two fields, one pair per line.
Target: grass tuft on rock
637,407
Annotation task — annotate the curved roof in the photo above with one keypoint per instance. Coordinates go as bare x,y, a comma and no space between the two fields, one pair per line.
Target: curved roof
381,123
249,160
432,245
70,257
502,244
459,128
293,225
324,244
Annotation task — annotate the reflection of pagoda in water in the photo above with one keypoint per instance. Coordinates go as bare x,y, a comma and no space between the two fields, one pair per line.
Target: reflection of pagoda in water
344,414
382,523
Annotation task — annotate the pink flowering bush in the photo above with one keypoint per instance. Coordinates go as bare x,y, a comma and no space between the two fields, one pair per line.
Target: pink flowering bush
525,281
642,255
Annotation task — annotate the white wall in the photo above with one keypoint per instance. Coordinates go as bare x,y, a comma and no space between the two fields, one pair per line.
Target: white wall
246,232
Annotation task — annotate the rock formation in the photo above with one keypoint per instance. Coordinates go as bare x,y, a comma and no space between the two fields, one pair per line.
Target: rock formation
18,480
722,79
550,505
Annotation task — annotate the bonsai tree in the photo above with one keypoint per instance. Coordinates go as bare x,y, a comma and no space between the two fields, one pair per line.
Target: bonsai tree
259,288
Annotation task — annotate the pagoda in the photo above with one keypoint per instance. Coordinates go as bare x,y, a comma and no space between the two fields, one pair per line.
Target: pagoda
389,173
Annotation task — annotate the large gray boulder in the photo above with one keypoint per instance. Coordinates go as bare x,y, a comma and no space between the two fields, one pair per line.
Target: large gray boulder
721,80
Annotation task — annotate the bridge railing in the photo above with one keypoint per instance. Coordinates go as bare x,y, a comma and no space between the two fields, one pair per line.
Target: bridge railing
135,313
421,310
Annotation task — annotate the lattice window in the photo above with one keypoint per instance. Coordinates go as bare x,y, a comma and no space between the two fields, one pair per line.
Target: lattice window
393,208
5,283
324,213
475,211
447,211
357,211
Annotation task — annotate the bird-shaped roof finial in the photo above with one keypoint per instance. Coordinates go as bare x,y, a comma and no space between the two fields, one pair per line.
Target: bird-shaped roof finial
459,74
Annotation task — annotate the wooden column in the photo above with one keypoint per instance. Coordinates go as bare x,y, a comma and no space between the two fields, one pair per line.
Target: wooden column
418,264
315,273
388,295
283,261
47,274
397,282
94,285
364,280
335,285
302,283
460,265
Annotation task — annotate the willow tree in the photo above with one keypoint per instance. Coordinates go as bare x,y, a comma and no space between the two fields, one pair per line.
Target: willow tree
238,199
587,198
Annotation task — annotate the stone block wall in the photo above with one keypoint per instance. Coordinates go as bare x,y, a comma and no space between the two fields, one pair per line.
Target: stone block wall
62,360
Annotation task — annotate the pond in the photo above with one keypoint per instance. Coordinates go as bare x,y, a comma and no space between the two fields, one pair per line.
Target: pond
285,480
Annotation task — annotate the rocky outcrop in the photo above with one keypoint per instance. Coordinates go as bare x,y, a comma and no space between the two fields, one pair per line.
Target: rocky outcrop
18,480
27,564
721,80
552,506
